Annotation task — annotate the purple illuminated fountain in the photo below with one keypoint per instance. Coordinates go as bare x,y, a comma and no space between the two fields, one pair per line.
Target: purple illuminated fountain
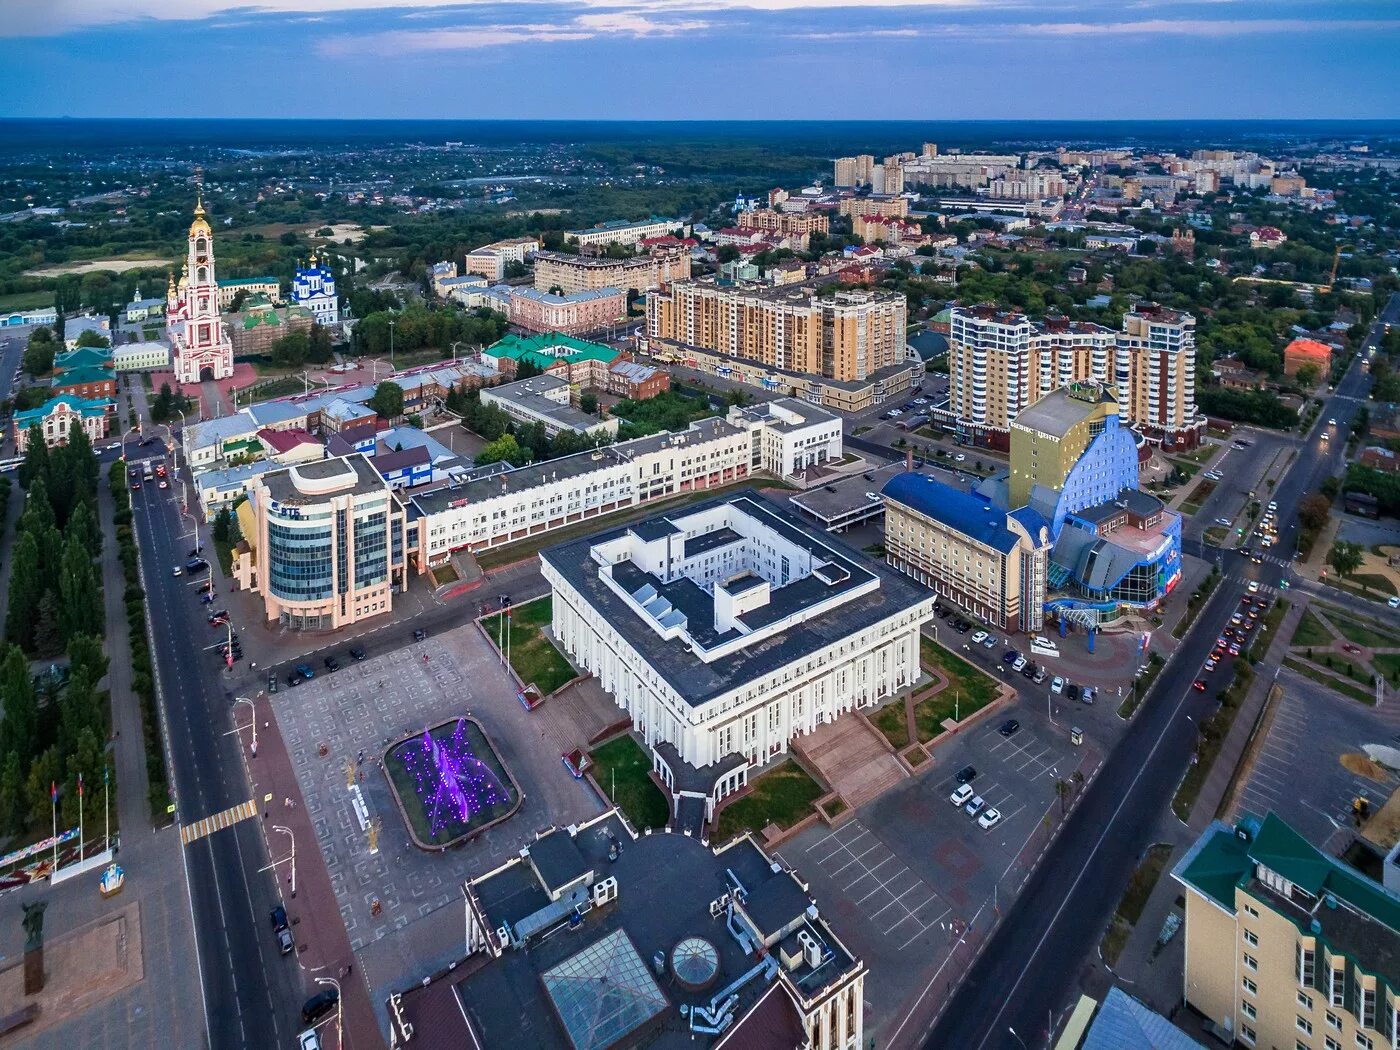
453,784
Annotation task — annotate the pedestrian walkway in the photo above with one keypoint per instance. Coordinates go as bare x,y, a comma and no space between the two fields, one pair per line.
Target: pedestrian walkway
200,828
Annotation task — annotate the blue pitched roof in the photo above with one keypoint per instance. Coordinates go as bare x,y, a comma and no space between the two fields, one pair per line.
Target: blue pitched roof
965,512
1030,519
1123,1023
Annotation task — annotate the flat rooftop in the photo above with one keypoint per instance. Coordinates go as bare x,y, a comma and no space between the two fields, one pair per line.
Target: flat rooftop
311,483
847,497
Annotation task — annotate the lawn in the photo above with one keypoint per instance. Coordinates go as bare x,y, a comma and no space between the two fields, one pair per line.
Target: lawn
891,721
26,301
1311,631
1133,901
1213,732
1141,686
782,796
1373,581
223,550
1196,602
1361,634
621,768
532,654
1388,665
1263,636
1186,467
1307,670
969,689
1198,495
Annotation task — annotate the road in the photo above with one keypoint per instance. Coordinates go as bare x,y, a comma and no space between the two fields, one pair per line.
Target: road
252,995
1027,971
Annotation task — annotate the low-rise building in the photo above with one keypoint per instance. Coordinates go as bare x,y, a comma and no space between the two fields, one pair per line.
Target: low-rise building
141,357
789,436
267,287
43,316
1285,944
323,544
139,310
57,417
1303,352
730,627
260,324
545,400
73,327
622,232
575,314
636,381
89,382
581,361
492,260
289,447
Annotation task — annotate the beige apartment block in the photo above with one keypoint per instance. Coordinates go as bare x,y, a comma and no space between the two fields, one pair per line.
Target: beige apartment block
844,335
1286,946
884,207
799,222
584,273
854,171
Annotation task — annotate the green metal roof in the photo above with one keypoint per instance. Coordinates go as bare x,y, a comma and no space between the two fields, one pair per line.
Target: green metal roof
84,355
238,282
84,374
83,406
545,350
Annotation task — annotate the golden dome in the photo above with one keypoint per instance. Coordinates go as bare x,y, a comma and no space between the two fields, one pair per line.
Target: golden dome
199,225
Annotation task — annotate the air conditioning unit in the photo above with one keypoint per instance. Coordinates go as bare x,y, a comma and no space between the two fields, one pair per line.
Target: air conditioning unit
604,891
503,936
812,950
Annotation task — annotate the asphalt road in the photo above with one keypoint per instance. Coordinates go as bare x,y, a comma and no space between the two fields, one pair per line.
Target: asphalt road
1028,969
252,995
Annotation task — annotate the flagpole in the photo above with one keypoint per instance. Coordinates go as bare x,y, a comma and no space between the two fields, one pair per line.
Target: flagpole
53,805
107,807
81,853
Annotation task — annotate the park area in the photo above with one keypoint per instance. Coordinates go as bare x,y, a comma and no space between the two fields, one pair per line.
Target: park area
967,691
782,796
533,655
450,783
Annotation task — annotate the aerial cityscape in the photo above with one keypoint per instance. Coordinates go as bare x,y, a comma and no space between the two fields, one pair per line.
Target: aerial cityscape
505,543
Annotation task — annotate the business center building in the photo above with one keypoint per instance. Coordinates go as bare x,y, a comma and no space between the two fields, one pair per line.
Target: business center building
1064,531
728,628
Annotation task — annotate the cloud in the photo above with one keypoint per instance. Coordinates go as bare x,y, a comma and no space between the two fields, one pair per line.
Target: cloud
475,38
1204,27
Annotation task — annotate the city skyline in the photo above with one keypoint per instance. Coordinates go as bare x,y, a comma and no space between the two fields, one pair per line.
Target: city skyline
293,58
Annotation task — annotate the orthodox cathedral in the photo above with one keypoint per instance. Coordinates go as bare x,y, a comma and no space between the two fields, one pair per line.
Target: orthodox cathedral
313,289
199,340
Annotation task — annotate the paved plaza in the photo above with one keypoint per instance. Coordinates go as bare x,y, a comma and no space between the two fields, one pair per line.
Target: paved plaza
345,719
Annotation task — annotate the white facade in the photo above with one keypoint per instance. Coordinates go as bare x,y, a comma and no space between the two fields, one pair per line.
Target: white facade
622,232
198,336
141,357
758,715
313,289
789,436
545,400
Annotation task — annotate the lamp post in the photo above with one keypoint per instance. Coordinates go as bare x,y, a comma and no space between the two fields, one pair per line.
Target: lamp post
391,342
1018,1038
253,710
339,1015
288,832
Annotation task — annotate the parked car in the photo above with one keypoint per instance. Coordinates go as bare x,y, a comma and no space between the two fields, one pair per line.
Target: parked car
305,671
272,683
1009,727
220,615
966,775
1057,685
1040,675
1072,691
1088,694
1393,601
420,635
293,679
279,917
1008,657
990,642
979,637
309,1040
1029,671
178,571
960,796
1018,663
357,653
988,820
332,664
319,1005
974,805
1199,685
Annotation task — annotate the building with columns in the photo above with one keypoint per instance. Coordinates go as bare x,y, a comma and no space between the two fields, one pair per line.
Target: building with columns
198,336
57,417
730,627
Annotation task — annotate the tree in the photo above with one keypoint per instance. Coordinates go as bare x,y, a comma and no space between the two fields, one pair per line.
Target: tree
85,656
291,350
36,458
388,400
87,337
48,636
589,403
223,526
44,774
80,602
19,731
504,448
1308,375
1314,511
1345,557
26,591
38,355
11,795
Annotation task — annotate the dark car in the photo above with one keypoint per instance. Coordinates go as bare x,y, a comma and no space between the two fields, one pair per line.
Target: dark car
293,680
1072,691
208,596
1009,727
305,671
220,615
1010,656
1029,671
966,775
196,564
319,1005
332,664
272,683
420,635
195,552
279,918
357,652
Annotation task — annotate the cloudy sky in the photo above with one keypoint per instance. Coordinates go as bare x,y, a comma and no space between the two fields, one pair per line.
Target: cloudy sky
697,59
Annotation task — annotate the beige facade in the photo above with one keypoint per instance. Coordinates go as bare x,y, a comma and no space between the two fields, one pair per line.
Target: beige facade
999,578
1155,372
804,223
854,171
490,260
264,286
847,336
582,273
884,207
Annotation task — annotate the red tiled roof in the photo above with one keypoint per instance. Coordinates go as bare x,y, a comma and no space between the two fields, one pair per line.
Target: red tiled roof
285,440
1308,348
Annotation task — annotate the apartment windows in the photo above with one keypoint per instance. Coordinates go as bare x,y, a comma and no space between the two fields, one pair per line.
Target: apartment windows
1250,962
1250,986
1336,984
1363,1041
1251,911
1331,1044
1333,1021
1250,937
1306,963
1247,1008
1303,1025
1305,1000
1247,1034
1367,1016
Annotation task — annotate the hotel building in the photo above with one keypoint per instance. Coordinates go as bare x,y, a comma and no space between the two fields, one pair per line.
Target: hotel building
729,628
846,335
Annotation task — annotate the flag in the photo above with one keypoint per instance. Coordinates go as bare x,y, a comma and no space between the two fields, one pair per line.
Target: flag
53,791
80,785
105,780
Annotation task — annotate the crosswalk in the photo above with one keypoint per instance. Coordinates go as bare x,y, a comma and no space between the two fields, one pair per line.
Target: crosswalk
1267,589
217,822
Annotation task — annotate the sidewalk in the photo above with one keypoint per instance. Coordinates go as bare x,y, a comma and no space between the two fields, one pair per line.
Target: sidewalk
323,946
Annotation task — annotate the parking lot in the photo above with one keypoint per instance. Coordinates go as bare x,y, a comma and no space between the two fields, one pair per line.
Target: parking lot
911,872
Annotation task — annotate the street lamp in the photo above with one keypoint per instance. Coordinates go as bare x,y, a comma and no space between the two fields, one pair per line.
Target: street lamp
339,1015
391,342
1018,1038
288,832
251,708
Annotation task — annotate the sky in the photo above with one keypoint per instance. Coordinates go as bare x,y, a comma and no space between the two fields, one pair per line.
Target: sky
702,59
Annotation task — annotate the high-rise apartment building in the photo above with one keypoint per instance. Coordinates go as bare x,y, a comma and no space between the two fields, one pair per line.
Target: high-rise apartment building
883,207
845,335
854,171
1003,362
785,222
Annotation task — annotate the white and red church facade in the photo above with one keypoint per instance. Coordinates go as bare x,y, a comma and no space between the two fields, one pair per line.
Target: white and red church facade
199,341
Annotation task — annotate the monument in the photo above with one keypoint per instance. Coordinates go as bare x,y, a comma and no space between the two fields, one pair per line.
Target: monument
34,947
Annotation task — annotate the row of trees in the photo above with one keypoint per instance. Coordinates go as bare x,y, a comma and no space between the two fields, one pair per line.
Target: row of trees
53,731
298,348
417,327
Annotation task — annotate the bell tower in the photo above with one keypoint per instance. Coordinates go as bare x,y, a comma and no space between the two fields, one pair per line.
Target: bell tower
201,343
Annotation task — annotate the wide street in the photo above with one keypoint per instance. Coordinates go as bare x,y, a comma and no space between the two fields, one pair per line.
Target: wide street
252,996
1025,976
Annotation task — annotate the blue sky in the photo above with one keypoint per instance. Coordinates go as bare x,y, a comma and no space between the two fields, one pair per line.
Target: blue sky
701,59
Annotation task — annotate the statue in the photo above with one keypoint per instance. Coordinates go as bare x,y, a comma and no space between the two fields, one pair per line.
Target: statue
34,947
34,925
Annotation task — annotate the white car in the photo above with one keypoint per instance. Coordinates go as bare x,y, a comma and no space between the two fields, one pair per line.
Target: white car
1223,521
178,571
1057,685
974,806
1018,663
1273,505
1331,422
1393,601
309,1040
961,795
1253,586
990,819
959,458
979,637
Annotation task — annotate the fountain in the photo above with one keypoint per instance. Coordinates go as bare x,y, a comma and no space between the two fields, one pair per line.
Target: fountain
459,785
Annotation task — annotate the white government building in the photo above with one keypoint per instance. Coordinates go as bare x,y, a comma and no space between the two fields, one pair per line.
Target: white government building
728,628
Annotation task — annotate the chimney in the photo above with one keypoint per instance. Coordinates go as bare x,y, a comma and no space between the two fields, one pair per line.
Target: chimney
908,459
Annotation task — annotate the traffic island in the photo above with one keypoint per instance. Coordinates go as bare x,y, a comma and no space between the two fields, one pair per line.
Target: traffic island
449,784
